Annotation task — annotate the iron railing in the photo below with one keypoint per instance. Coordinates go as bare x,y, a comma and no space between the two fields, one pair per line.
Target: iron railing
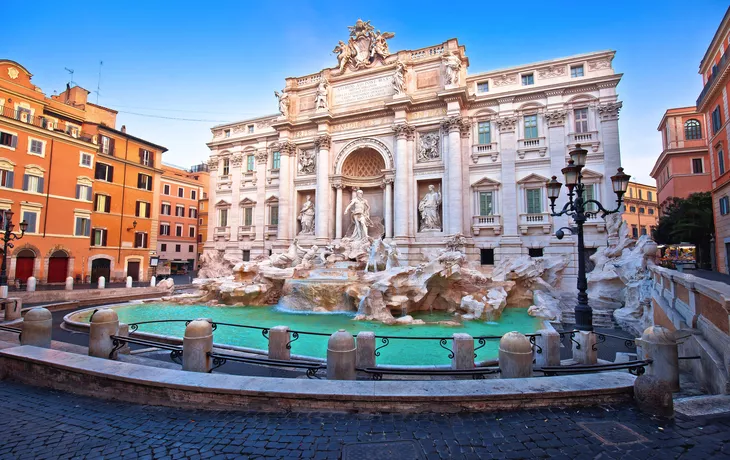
45,122
377,373
634,367
717,70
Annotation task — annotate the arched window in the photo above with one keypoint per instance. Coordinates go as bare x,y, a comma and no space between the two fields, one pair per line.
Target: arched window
692,130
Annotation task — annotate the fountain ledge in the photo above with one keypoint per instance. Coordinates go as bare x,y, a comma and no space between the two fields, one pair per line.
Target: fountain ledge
139,384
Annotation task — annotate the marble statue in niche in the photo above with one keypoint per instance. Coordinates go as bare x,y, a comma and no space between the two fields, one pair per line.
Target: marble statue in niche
399,78
307,162
306,217
360,216
321,99
428,148
283,102
452,68
429,210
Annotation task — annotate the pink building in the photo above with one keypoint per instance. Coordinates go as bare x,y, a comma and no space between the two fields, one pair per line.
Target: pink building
683,167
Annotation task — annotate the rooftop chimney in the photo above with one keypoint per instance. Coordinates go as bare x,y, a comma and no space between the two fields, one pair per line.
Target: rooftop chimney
124,128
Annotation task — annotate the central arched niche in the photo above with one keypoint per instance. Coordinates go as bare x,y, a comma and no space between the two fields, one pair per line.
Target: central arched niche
363,163
364,168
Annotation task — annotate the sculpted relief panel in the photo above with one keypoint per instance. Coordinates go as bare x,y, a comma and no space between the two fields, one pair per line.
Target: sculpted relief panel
428,147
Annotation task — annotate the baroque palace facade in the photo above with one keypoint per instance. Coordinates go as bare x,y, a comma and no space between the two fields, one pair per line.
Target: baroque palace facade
435,150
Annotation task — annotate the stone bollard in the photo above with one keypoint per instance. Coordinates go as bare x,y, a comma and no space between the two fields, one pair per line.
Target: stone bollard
279,337
463,351
13,307
124,332
129,282
101,283
197,343
69,283
583,351
153,281
658,344
31,284
653,396
37,327
4,291
365,350
341,356
549,342
104,324
515,356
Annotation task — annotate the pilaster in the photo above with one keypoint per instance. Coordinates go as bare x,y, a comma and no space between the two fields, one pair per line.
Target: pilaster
322,199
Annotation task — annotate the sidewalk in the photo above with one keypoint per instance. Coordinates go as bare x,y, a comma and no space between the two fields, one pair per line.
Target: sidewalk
710,275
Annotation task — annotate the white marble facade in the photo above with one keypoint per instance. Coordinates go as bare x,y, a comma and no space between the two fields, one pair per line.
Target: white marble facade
392,125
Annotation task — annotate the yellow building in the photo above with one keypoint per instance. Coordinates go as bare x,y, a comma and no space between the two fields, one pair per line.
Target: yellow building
642,209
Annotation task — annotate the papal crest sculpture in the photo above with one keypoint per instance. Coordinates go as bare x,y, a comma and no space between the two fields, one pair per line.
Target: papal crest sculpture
363,47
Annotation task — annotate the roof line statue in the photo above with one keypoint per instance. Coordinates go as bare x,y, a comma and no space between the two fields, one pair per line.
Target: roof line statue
363,47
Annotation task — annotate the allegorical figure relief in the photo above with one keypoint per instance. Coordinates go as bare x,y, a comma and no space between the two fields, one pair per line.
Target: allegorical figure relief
307,163
452,67
306,217
321,101
428,207
379,45
283,102
360,216
428,149
399,78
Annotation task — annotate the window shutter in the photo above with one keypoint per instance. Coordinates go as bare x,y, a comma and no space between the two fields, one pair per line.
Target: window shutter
78,192
9,179
79,230
25,182
111,149
103,237
40,185
14,141
141,155
88,193
110,173
91,240
107,204
96,202
136,209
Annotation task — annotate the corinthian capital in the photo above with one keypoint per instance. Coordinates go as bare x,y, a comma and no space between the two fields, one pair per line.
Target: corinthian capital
323,142
609,111
261,156
506,124
287,148
556,117
452,124
404,131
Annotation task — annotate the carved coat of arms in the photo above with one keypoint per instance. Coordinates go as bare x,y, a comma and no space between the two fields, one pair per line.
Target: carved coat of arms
363,47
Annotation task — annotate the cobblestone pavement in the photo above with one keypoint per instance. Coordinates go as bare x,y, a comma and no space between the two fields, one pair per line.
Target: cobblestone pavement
40,423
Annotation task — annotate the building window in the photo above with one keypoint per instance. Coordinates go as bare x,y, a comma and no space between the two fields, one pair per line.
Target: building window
142,209
246,255
534,200
163,247
576,71
144,181
165,229
102,203
643,230
274,215
484,129
486,203
634,231
581,120
226,133
721,161
166,189
486,256
528,79
193,213
483,87
165,209
31,218
178,248
590,194
534,252
692,130
193,194
642,211
276,161
180,211
223,217
250,129
35,147
724,205
716,120
6,178
98,237
85,160
641,197
83,226
649,196
530,126
146,157
104,172
191,248
178,230
250,162
106,145
32,183
180,192
83,192
632,208
651,211
140,240
247,217
226,166
8,140
191,231
697,167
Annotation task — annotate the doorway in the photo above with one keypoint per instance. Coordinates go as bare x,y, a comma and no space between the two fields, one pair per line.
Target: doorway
133,269
57,267
24,264
100,267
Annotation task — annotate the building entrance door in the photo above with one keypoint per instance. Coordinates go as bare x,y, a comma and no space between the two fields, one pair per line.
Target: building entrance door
57,267
100,267
24,264
727,257
133,269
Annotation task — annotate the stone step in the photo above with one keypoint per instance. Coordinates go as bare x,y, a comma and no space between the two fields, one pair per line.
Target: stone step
600,318
699,406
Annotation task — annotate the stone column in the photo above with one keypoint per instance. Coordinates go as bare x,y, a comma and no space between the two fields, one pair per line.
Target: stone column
338,211
69,283
341,356
549,342
515,356
388,208
402,131
455,208
322,200
365,350
585,352
463,351
100,283
286,150
37,326
507,150
30,287
411,221
279,337
129,282
608,114
104,324
260,212
13,308
197,343
234,212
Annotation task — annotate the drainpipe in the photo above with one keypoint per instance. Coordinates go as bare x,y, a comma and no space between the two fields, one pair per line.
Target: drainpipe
48,190
124,189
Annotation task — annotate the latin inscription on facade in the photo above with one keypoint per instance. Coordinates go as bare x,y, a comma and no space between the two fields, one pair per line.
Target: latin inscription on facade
360,91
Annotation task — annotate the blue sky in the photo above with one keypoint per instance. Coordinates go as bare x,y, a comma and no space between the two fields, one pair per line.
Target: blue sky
222,62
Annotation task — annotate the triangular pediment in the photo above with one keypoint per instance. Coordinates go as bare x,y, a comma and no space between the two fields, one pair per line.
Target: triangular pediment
272,199
247,202
486,182
533,179
222,204
589,174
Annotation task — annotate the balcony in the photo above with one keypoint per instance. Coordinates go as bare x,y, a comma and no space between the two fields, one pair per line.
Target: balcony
486,223
540,221
59,126
594,221
586,139
718,70
536,144
247,231
484,150
272,230
222,234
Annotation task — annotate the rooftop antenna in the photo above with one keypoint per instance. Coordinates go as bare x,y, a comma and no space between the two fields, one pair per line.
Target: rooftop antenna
98,82
71,72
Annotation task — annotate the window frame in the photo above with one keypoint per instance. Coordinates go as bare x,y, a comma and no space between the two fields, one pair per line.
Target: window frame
539,191
692,132
581,124
574,71
527,79
275,161
164,229
147,185
484,128
108,177
532,118
480,85
42,153
85,217
701,163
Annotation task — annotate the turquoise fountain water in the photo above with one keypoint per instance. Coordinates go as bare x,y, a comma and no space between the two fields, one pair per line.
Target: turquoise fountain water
400,352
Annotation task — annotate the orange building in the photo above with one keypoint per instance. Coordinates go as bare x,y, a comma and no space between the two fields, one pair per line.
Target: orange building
85,188
641,209
180,193
713,104
683,167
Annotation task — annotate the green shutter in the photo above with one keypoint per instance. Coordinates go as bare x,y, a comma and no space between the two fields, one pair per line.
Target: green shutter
485,135
534,205
485,203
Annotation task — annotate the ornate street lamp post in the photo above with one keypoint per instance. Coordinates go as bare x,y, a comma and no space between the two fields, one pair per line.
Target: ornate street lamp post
6,227
580,210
